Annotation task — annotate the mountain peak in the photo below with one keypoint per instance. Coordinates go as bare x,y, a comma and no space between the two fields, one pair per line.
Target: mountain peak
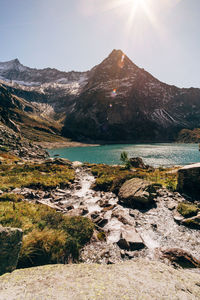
16,61
117,52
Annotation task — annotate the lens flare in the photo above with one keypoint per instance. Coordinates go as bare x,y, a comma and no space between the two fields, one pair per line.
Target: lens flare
114,92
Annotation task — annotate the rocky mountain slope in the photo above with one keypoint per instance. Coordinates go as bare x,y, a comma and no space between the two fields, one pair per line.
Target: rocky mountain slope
124,102
47,86
22,123
114,101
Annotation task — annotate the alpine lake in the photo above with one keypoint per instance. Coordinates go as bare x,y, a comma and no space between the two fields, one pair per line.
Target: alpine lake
168,154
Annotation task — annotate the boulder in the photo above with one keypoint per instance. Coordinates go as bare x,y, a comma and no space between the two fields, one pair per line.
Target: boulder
137,192
130,239
10,245
181,257
189,180
137,162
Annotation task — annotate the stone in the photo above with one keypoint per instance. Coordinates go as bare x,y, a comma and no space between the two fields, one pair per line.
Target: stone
137,162
193,222
10,245
171,205
130,239
122,216
77,164
85,211
178,218
189,180
137,192
181,257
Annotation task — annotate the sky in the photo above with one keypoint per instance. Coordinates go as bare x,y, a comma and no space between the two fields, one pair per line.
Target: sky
161,36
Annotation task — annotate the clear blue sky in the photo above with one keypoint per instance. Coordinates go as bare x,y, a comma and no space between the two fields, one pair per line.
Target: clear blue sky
161,36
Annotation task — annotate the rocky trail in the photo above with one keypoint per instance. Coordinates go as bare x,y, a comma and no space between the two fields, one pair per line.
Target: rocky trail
129,233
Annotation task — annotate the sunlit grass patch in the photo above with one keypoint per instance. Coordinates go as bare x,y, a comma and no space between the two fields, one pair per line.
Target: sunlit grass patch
35,175
49,236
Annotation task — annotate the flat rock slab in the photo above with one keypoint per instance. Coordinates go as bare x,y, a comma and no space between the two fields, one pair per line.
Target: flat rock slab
140,279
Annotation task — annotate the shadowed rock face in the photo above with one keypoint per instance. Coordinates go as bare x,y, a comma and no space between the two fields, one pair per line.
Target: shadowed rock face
189,180
10,244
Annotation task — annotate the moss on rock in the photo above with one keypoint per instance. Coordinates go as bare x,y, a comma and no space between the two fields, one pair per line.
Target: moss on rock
187,210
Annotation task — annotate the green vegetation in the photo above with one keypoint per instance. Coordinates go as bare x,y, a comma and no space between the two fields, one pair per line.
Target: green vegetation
11,197
187,210
124,159
44,176
49,237
111,178
101,236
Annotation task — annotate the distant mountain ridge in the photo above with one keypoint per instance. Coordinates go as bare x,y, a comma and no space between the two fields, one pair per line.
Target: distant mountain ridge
114,101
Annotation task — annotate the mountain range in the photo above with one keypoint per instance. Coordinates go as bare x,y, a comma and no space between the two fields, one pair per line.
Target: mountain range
116,101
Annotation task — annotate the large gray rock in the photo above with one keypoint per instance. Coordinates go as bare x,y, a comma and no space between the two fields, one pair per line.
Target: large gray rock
189,180
137,192
10,245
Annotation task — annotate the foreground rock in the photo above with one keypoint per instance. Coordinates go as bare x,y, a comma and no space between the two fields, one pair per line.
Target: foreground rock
139,279
189,180
10,244
137,192
181,258
130,239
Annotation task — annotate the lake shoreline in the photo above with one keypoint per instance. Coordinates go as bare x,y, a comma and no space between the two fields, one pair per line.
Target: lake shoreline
156,155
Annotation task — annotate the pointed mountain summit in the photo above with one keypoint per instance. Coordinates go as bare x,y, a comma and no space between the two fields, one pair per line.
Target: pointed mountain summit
122,102
116,66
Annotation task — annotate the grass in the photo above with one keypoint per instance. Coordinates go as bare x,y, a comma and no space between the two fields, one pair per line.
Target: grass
111,178
35,176
49,237
11,197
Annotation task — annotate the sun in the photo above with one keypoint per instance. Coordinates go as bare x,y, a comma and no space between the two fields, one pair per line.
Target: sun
138,2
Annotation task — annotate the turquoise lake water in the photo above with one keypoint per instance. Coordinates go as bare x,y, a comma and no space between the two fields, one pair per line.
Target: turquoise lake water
152,154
